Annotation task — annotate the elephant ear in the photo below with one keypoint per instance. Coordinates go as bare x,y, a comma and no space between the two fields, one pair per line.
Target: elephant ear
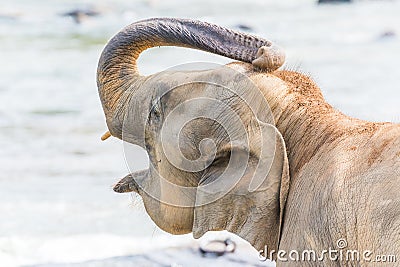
244,190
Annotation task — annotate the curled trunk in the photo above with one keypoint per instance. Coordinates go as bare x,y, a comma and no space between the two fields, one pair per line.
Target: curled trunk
117,69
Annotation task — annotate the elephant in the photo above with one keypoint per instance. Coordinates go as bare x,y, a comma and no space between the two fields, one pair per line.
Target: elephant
252,149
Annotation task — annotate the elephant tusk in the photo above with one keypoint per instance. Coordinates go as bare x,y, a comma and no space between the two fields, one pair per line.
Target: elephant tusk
105,136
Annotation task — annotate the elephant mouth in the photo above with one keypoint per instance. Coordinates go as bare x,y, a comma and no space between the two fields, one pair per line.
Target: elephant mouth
152,188
129,182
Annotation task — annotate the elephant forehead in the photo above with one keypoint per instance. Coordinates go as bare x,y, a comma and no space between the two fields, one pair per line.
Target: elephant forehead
211,88
222,77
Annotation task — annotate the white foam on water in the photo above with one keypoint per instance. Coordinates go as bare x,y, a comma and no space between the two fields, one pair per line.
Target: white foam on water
80,248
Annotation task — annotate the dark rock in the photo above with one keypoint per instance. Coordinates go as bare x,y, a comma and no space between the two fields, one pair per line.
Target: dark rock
80,14
387,34
333,1
244,27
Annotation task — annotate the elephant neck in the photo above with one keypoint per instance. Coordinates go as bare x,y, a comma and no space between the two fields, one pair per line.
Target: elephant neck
307,122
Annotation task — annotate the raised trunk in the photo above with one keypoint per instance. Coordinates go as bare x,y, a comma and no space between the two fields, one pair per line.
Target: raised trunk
117,69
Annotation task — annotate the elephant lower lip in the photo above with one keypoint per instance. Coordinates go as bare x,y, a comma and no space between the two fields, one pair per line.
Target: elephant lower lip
126,185
121,188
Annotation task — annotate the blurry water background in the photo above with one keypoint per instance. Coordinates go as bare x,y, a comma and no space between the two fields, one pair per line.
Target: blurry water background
56,176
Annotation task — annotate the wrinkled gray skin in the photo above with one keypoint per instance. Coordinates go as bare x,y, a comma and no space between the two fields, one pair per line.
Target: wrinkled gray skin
331,176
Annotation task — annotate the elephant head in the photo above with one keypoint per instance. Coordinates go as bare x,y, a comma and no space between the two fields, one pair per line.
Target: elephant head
216,160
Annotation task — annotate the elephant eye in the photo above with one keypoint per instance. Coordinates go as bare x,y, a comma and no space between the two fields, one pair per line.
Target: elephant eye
155,111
